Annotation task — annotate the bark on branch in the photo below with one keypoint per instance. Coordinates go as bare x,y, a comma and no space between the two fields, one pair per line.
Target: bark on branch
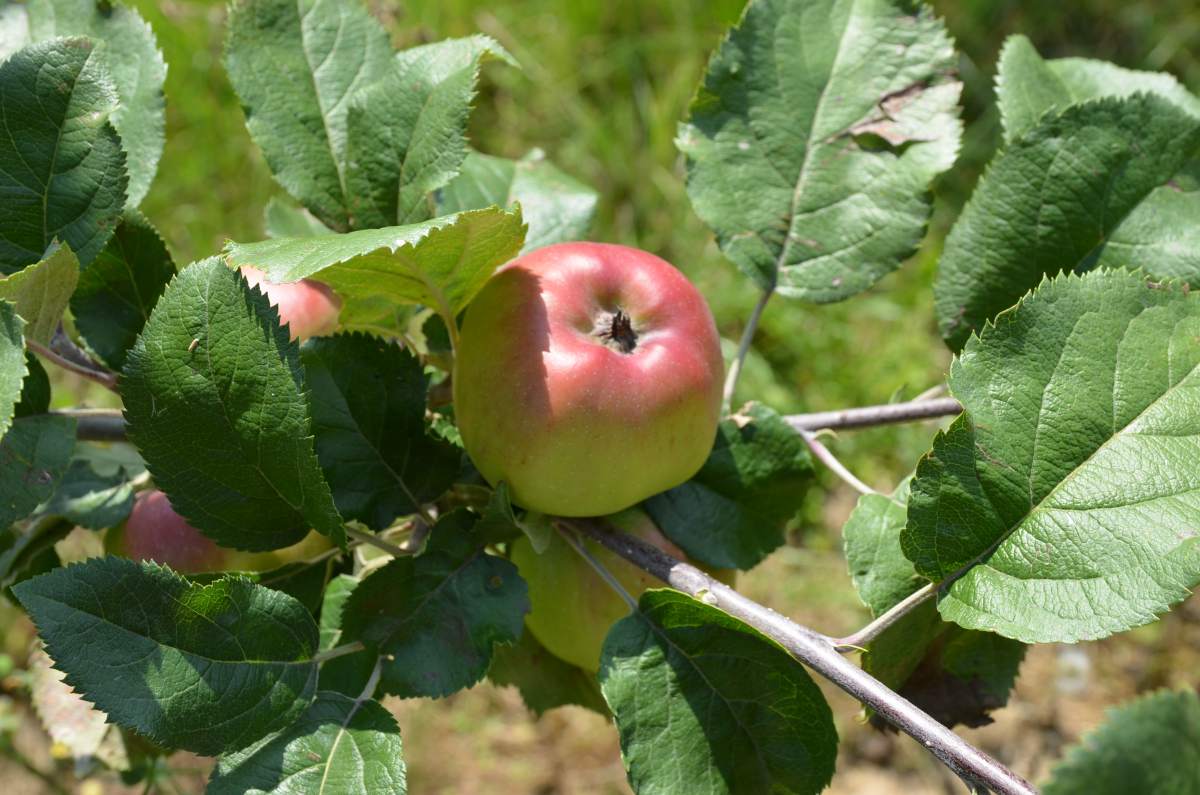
817,652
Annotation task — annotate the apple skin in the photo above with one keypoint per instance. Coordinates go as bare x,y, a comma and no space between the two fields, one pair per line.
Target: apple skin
310,309
572,608
153,531
575,425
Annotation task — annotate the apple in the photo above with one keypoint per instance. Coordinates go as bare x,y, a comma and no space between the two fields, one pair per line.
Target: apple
587,377
572,608
310,309
153,531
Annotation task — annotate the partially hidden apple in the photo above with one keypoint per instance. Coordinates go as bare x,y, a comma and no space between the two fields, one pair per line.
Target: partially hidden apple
587,377
310,309
572,608
153,531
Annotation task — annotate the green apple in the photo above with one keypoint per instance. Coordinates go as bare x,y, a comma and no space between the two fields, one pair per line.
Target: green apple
587,377
153,531
572,608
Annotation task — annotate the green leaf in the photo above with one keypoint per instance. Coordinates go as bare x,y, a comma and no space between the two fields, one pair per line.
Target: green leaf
118,290
1151,744
130,55
338,745
89,499
1028,87
954,674
544,681
332,605
729,709
214,400
440,263
368,406
1054,197
207,668
814,138
557,207
959,676
33,457
12,364
41,292
882,575
437,617
732,513
27,549
1062,505
35,389
283,219
406,133
62,169
295,65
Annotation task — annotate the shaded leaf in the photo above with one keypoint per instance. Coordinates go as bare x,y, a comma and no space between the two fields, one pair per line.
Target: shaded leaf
544,681
557,207
731,710
954,674
436,617
732,513
35,389
1151,744
208,668
1067,509
130,55
406,133
62,169
89,499
440,263
1054,197
40,292
295,65
814,137
332,604
12,364
959,676
33,457
223,423
119,289
368,406
338,745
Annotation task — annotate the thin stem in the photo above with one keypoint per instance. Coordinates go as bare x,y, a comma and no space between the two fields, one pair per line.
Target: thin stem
572,538
819,653
377,542
830,460
369,688
339,651
870,416
735,367
103,377
886,619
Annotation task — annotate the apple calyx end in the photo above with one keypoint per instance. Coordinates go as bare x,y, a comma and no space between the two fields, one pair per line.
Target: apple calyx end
616,331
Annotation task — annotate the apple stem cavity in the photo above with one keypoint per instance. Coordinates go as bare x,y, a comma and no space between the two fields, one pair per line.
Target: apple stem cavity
616,330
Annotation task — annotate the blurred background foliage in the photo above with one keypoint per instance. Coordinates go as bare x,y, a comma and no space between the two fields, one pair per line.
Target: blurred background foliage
603,85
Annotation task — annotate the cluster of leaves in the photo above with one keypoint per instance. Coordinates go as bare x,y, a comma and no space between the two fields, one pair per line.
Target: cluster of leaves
1060,506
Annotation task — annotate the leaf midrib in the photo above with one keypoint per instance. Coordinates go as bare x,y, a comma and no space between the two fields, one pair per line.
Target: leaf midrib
1042,504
